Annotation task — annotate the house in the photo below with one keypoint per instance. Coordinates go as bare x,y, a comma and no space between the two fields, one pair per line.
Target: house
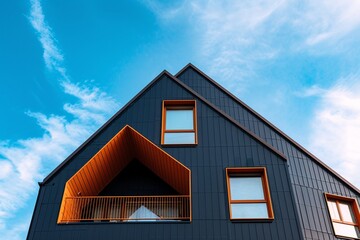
186,159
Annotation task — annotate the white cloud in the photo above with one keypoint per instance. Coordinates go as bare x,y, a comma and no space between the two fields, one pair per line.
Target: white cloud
5,169
240,36
166,11
311,91
336,128
29,160
52,55
233,37
90,98
25,162
326,20
236,38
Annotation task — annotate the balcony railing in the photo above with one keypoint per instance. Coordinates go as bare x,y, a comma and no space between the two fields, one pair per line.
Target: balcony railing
126,208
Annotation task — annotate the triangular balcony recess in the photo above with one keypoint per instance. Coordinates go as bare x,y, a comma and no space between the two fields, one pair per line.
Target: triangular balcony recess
81,201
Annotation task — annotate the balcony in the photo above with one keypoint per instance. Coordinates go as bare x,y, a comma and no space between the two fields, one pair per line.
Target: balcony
126,209
128,179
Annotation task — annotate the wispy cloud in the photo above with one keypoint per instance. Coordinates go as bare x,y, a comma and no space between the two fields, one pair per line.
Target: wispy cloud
336,128
27,161
52,55
328,20
236,38
240,36
314,90
167,11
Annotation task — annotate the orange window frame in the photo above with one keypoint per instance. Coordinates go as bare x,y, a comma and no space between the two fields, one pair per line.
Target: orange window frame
250,172
347,200
178,105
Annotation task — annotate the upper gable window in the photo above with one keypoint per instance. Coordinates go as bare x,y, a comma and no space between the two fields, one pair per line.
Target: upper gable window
179,122
344,213
248,194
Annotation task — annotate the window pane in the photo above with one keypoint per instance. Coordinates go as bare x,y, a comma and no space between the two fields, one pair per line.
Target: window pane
179,120
346,212
179,138
346,230
249,210
246,188
334,213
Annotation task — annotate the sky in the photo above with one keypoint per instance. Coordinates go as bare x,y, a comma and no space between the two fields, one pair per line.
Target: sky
68,66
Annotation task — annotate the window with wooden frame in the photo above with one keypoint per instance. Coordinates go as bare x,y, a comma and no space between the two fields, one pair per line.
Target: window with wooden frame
345,216
249,194
179,122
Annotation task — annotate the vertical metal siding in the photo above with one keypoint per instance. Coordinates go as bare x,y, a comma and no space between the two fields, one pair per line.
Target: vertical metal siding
309,180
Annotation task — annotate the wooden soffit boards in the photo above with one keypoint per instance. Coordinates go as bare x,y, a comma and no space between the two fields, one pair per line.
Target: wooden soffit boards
161,163
108,162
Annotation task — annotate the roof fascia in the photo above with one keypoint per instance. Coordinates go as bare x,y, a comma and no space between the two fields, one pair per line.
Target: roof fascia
297,145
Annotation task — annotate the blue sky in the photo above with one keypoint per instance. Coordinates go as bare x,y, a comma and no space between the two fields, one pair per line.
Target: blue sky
67,66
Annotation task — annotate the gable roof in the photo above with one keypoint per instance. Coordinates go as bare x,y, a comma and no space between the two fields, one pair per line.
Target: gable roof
205,101
269,124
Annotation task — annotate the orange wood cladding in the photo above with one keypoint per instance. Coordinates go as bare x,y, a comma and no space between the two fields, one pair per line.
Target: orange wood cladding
106,164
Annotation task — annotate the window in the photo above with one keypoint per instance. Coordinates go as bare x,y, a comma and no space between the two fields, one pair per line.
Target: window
179,122
248,194
344,213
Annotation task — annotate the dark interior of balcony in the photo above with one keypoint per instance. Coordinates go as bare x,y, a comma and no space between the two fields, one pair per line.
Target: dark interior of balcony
137,180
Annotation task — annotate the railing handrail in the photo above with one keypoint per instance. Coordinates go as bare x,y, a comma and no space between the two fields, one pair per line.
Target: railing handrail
126,208
148,196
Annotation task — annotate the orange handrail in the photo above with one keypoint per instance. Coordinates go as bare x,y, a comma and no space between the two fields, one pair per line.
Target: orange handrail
126,208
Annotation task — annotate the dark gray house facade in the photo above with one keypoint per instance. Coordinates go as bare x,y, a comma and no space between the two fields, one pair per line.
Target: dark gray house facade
185,159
